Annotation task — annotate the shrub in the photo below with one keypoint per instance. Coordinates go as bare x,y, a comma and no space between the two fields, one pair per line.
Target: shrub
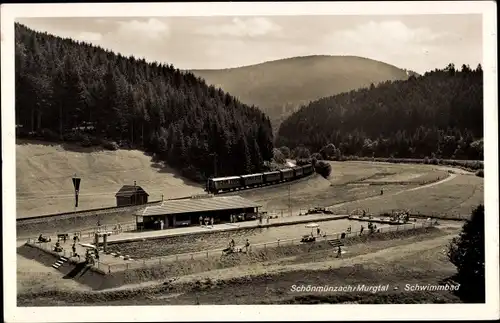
323,168
85,141
480,173
278,156
192,173
315,158
303,161
285,151
69,136
109,145
49,135
95,141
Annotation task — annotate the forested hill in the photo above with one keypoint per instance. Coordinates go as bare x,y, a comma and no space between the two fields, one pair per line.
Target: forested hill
72,91
438,114
280,87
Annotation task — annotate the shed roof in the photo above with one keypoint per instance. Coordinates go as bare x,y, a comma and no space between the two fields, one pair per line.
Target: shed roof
199,205
129,190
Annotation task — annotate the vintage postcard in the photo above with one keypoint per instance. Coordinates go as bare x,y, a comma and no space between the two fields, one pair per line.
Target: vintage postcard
250,161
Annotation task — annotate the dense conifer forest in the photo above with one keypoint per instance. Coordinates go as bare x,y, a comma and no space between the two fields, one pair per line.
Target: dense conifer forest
436,115
74,92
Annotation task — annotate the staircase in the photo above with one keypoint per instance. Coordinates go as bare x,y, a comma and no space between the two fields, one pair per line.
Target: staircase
335,243
60,262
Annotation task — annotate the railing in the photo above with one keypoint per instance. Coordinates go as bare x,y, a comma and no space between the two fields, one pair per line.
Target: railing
156,261
88,233
47,246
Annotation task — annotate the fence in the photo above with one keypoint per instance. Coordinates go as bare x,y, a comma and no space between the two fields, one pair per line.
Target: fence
47,246
156,261
280,213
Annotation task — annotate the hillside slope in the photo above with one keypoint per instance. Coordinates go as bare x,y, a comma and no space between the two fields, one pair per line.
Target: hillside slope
439,114
280,87
74,92
44,174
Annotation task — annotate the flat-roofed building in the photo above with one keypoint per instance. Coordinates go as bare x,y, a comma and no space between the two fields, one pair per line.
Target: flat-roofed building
187,211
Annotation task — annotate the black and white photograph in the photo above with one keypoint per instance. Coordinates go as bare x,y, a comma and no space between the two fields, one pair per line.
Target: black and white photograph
160,159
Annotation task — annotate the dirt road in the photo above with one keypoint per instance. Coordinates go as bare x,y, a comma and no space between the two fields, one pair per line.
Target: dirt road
449,178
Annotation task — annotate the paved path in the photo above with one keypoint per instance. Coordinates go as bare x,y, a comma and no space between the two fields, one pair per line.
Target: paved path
288,220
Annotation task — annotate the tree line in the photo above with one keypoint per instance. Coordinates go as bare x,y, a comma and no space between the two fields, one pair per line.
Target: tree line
436,115
73,91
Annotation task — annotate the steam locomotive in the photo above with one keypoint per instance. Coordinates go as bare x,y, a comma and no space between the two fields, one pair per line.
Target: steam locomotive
231,183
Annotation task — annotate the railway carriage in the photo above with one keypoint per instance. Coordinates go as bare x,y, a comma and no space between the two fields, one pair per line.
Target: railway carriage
224,183
308,169
298,171
252,179
272,177
287,174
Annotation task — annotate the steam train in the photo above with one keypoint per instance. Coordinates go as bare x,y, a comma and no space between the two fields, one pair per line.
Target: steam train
231,183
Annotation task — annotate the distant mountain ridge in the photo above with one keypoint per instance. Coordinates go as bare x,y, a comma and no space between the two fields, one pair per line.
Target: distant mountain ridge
280,87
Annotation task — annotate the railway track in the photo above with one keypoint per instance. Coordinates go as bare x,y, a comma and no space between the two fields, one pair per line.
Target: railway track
70,215
115,209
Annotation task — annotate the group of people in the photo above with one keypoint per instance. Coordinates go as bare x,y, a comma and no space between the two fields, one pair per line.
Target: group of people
232,245
91,255
159,224
206,220
372,227
401,217
237,217
58,247
260,219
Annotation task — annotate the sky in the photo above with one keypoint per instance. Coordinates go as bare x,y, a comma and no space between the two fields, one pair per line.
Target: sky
415,42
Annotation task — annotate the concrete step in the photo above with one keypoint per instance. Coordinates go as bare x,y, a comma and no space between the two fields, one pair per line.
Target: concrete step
60,262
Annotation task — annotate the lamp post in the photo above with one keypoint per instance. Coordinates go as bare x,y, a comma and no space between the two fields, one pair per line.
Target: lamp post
76,184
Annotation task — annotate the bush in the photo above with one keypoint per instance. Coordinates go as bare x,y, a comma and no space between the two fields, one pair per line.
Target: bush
315,158
85,141
285,151
49,135
70,136
278,156
192,173
303,161
480,173
109,145
323,168
95,141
